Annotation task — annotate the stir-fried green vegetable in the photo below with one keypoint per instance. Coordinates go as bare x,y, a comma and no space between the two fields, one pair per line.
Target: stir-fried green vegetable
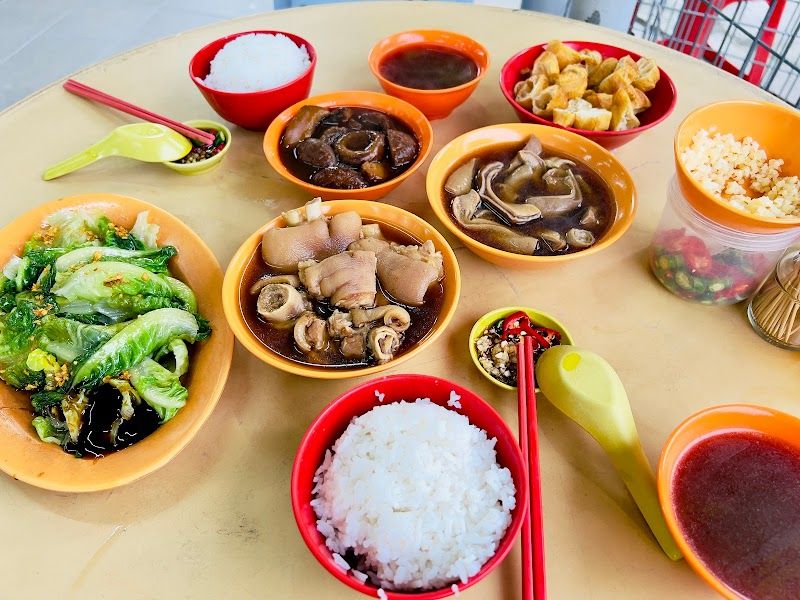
87,306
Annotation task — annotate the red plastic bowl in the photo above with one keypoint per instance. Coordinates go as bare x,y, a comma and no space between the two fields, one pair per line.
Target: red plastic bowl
332,422
663,96
251,110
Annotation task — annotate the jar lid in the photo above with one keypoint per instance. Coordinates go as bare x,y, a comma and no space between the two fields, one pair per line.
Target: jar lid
741,240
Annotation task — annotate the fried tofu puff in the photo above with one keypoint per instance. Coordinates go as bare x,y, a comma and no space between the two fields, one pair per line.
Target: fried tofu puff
573,80
647,74
546,64
622,115
565,55
527,89
639,99
591,58
598,100
601,71
549,99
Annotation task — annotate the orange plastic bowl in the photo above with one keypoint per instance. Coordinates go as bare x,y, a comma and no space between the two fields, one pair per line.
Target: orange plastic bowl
399,109
25,457
702,425
233,295
583,150
332,422
776,128
664,96
436,104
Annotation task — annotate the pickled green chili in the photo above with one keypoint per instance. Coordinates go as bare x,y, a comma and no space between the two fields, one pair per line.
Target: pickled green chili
685,265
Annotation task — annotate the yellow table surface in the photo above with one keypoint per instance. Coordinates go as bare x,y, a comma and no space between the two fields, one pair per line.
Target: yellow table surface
216,522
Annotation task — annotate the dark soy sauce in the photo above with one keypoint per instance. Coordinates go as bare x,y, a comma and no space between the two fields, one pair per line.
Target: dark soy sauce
428,67
102,411
281,339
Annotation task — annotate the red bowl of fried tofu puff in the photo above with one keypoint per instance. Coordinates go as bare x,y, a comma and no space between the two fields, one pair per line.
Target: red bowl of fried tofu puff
605,93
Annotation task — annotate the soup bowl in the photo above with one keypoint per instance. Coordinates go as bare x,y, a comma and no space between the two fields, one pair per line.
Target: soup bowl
701,426
663,97
394,107
438,103
251,110
233,292
25,457
496,137
335,418
776,129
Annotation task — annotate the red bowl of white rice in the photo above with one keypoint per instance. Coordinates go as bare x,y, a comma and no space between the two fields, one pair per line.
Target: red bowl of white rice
250,77
409,486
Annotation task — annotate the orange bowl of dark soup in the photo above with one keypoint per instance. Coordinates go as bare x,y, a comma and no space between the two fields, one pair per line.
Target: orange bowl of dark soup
343,278
729,486
432,69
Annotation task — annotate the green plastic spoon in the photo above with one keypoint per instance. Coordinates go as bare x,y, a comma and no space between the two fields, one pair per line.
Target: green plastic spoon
148,142
583,386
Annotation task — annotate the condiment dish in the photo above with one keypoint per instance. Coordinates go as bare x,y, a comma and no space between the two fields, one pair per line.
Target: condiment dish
438,103
537,317
663,97
25,457
567,143
776,128
334,419
251,110
232,288
206,165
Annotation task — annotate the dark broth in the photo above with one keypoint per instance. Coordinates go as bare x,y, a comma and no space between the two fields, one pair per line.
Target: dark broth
95,439
737,499
601,198
281,339
304,171
428,67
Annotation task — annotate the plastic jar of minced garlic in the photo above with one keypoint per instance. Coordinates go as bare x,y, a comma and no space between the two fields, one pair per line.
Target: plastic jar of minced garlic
700,260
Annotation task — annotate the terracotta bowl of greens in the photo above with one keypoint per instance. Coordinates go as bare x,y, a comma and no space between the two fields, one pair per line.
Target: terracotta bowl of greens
113,344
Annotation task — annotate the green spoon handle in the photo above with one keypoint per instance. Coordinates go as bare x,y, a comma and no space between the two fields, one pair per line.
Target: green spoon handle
634,469
73,163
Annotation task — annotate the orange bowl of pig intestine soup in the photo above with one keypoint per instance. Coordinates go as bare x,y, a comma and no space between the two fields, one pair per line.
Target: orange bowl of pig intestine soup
530,196
341,289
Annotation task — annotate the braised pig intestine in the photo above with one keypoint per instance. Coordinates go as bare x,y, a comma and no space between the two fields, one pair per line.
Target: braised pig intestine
529,201
340,261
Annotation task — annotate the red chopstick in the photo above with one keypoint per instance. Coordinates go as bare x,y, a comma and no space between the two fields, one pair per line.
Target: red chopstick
523,361
85,91
540,589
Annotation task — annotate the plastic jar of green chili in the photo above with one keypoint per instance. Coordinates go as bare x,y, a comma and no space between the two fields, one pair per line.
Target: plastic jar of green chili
700,260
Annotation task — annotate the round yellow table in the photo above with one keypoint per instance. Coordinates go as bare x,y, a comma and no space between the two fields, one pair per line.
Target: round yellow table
216,522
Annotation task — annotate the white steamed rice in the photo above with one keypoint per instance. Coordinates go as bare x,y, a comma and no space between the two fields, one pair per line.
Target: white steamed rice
415,492
257,61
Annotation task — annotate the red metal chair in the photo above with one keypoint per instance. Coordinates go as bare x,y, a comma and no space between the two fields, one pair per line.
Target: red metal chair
696,20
